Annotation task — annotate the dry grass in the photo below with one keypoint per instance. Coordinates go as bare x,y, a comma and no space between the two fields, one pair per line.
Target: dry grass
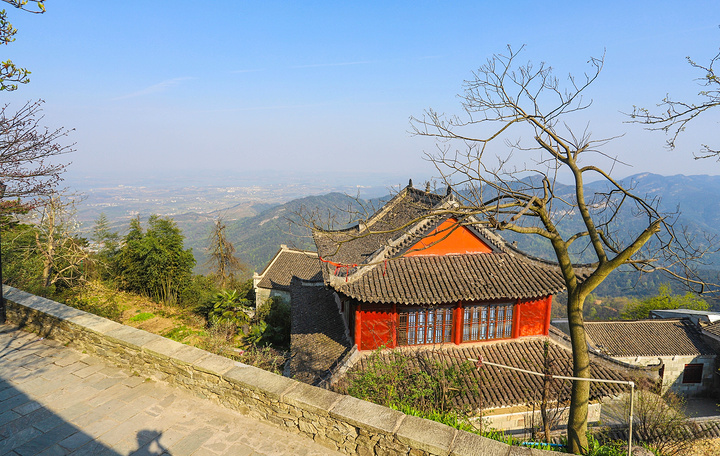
705,447
181,325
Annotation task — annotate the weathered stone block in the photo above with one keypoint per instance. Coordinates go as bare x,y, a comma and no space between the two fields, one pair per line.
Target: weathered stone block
430,436
216,364
271,385
311,398
366,415
307,427
467,444
92,322
363,450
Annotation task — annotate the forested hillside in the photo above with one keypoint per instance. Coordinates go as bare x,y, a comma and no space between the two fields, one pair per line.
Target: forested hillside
694,200
258,238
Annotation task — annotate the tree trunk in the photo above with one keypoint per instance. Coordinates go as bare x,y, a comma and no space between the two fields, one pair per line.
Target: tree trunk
578,419
48,252
546,392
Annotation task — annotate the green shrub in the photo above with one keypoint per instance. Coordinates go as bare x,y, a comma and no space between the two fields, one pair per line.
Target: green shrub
197,296
411,379
450,418
255,335
611,448
104,307
273,316
155,262
180,333
229,308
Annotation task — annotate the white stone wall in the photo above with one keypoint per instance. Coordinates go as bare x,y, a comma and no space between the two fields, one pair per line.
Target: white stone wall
523,420
263,294
674,367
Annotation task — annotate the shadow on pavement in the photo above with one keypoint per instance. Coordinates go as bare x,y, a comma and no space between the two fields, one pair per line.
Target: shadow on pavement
27,426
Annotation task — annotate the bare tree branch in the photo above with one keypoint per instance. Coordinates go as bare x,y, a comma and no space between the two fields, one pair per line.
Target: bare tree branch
27,153
505,99
673,116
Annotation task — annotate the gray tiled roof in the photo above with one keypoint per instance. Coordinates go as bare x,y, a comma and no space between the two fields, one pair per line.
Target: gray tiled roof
656,337
289,263
317,336
366,261
356,244
451,278
713,328
503,387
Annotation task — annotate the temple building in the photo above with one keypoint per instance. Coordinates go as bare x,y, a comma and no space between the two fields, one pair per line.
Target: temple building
421,271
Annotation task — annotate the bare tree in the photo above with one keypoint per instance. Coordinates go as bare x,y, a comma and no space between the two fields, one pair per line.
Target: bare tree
64,254
506,99
662,423
26,153
673,116
222,262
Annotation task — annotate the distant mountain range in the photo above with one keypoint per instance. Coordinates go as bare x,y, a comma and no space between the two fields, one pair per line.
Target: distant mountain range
257,229
257,237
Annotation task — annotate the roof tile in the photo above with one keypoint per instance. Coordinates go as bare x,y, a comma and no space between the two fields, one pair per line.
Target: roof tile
655,337
289,263
451,278
502,387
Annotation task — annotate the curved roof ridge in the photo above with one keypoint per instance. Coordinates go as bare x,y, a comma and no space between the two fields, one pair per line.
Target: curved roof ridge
280,270
388,206
484,277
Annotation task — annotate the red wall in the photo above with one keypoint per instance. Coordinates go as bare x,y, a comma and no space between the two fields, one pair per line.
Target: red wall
534,317
376,324
449,238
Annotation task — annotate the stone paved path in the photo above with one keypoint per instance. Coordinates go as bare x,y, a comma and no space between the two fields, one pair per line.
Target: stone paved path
57,401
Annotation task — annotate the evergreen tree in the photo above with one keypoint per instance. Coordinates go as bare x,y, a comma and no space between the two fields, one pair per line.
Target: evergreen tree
155,262
222,261
107,243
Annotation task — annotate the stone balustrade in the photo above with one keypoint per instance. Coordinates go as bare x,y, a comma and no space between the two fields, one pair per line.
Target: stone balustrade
340,422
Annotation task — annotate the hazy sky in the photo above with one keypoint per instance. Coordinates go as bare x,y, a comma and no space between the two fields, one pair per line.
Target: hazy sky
319,87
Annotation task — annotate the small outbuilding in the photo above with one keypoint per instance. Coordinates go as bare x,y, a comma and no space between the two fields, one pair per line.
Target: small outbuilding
687,360
288,263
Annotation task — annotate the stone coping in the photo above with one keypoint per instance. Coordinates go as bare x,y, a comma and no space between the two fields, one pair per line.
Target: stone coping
340,422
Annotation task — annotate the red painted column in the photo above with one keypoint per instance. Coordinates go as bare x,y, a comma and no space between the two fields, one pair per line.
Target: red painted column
516,320
358,324
458,323
548,311
394,327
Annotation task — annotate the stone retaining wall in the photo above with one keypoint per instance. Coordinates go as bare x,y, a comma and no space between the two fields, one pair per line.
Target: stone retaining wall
522,421
340,422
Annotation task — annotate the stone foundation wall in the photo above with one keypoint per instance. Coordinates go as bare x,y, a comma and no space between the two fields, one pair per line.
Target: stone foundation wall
519,421
340,422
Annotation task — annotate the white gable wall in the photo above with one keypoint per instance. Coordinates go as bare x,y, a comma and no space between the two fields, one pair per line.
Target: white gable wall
673,374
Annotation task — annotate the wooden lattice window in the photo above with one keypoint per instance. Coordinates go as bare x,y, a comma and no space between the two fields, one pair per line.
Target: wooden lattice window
692,373
487,321
425,326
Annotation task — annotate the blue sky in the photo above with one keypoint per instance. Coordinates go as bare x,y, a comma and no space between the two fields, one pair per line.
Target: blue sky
318,88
